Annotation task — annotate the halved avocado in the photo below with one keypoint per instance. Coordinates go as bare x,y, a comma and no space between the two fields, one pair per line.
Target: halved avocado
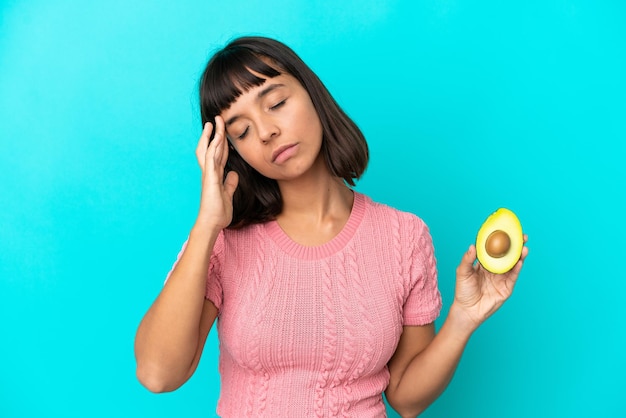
500,241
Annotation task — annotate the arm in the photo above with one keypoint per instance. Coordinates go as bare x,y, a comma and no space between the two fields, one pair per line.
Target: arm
424,363
171,336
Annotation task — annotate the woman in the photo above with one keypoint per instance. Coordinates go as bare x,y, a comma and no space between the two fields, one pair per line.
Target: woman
325,298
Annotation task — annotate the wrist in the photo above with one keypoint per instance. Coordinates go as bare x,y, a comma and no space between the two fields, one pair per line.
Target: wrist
204,231
461,322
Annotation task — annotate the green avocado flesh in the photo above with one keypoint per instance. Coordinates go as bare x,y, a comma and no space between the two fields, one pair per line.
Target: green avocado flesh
500,241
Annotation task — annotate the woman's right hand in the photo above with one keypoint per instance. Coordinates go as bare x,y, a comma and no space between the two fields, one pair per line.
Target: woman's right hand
216,203
168,350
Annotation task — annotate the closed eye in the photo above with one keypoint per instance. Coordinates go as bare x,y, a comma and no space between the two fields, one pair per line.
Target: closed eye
277,105
243,134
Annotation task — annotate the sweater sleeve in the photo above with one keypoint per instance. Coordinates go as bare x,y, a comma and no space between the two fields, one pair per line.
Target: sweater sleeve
423,304
213,290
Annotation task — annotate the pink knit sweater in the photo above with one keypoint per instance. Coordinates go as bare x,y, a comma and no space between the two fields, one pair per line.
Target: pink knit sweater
308,331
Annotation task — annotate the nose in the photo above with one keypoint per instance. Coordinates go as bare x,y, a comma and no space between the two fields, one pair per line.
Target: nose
267,129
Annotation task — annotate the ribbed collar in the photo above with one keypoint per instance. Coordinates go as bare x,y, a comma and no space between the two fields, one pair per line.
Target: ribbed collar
327,249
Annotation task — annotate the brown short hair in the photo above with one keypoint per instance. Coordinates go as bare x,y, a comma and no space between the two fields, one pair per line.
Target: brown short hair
228,74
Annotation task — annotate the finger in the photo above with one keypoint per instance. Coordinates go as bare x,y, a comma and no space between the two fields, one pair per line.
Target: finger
515,271
525,238
524,253
203,143
466,266
224,140
231,182
221,153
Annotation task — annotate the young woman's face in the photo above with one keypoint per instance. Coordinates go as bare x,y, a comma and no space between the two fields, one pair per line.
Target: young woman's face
275,128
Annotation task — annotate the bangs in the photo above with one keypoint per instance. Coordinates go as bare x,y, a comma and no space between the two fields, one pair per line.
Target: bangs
229,74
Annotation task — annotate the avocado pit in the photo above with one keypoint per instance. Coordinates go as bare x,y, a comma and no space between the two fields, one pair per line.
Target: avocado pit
498,244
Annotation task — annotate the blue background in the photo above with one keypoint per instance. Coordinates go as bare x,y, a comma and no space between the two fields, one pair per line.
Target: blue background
467,106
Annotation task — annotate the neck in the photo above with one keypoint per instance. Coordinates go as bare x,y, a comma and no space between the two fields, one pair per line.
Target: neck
315,198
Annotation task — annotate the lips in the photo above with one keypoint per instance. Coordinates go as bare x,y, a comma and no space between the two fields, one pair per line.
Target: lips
283,152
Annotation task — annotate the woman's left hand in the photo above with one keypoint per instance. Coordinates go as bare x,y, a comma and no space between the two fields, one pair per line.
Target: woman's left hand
480,293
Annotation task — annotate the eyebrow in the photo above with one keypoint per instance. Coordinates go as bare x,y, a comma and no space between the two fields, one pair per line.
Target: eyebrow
267,90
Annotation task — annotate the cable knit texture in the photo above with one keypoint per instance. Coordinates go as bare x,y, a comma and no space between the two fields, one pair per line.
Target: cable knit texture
308,331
